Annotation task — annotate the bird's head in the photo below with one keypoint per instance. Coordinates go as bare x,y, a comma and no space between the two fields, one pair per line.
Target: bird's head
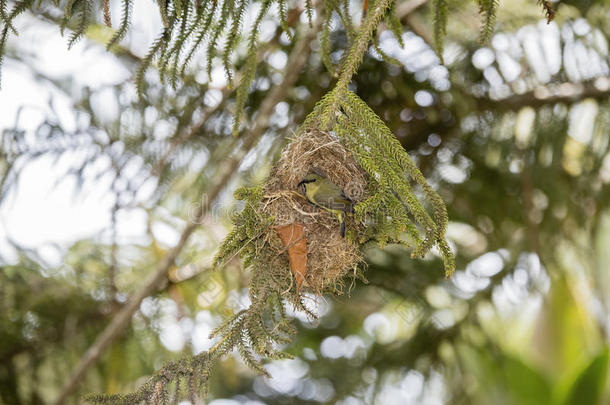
311,177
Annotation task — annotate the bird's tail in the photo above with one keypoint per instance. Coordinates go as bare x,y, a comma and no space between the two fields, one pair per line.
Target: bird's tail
342,219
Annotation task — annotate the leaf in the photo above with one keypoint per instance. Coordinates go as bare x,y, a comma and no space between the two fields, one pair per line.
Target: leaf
505,376
588,386
526,385
294,240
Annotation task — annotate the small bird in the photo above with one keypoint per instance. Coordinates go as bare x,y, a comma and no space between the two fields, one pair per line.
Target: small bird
323,193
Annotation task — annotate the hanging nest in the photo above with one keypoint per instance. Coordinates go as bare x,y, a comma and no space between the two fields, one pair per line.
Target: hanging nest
287,242
319,256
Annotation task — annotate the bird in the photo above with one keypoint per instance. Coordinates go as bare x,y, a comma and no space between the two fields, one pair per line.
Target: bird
323,193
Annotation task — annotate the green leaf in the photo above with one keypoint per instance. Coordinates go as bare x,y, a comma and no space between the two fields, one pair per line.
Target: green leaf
526,385
505,378
588,385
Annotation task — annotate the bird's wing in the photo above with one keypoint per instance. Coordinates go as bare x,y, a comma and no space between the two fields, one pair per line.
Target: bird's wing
350,206
333,198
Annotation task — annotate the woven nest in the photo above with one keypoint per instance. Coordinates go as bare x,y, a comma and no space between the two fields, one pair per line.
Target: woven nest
330,257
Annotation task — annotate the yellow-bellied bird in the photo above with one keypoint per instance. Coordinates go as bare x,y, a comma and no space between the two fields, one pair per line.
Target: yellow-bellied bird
323,193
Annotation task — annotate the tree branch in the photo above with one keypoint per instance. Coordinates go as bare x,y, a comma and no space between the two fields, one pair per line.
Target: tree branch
297,59
408,7
568,93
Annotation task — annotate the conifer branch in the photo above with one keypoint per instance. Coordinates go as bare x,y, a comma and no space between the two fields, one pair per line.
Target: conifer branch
107,17
325,46
297,59
225,92
488,10
123,26
182,33
361,44
330,104
8,19
439,16
249,69
549,10
82,24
